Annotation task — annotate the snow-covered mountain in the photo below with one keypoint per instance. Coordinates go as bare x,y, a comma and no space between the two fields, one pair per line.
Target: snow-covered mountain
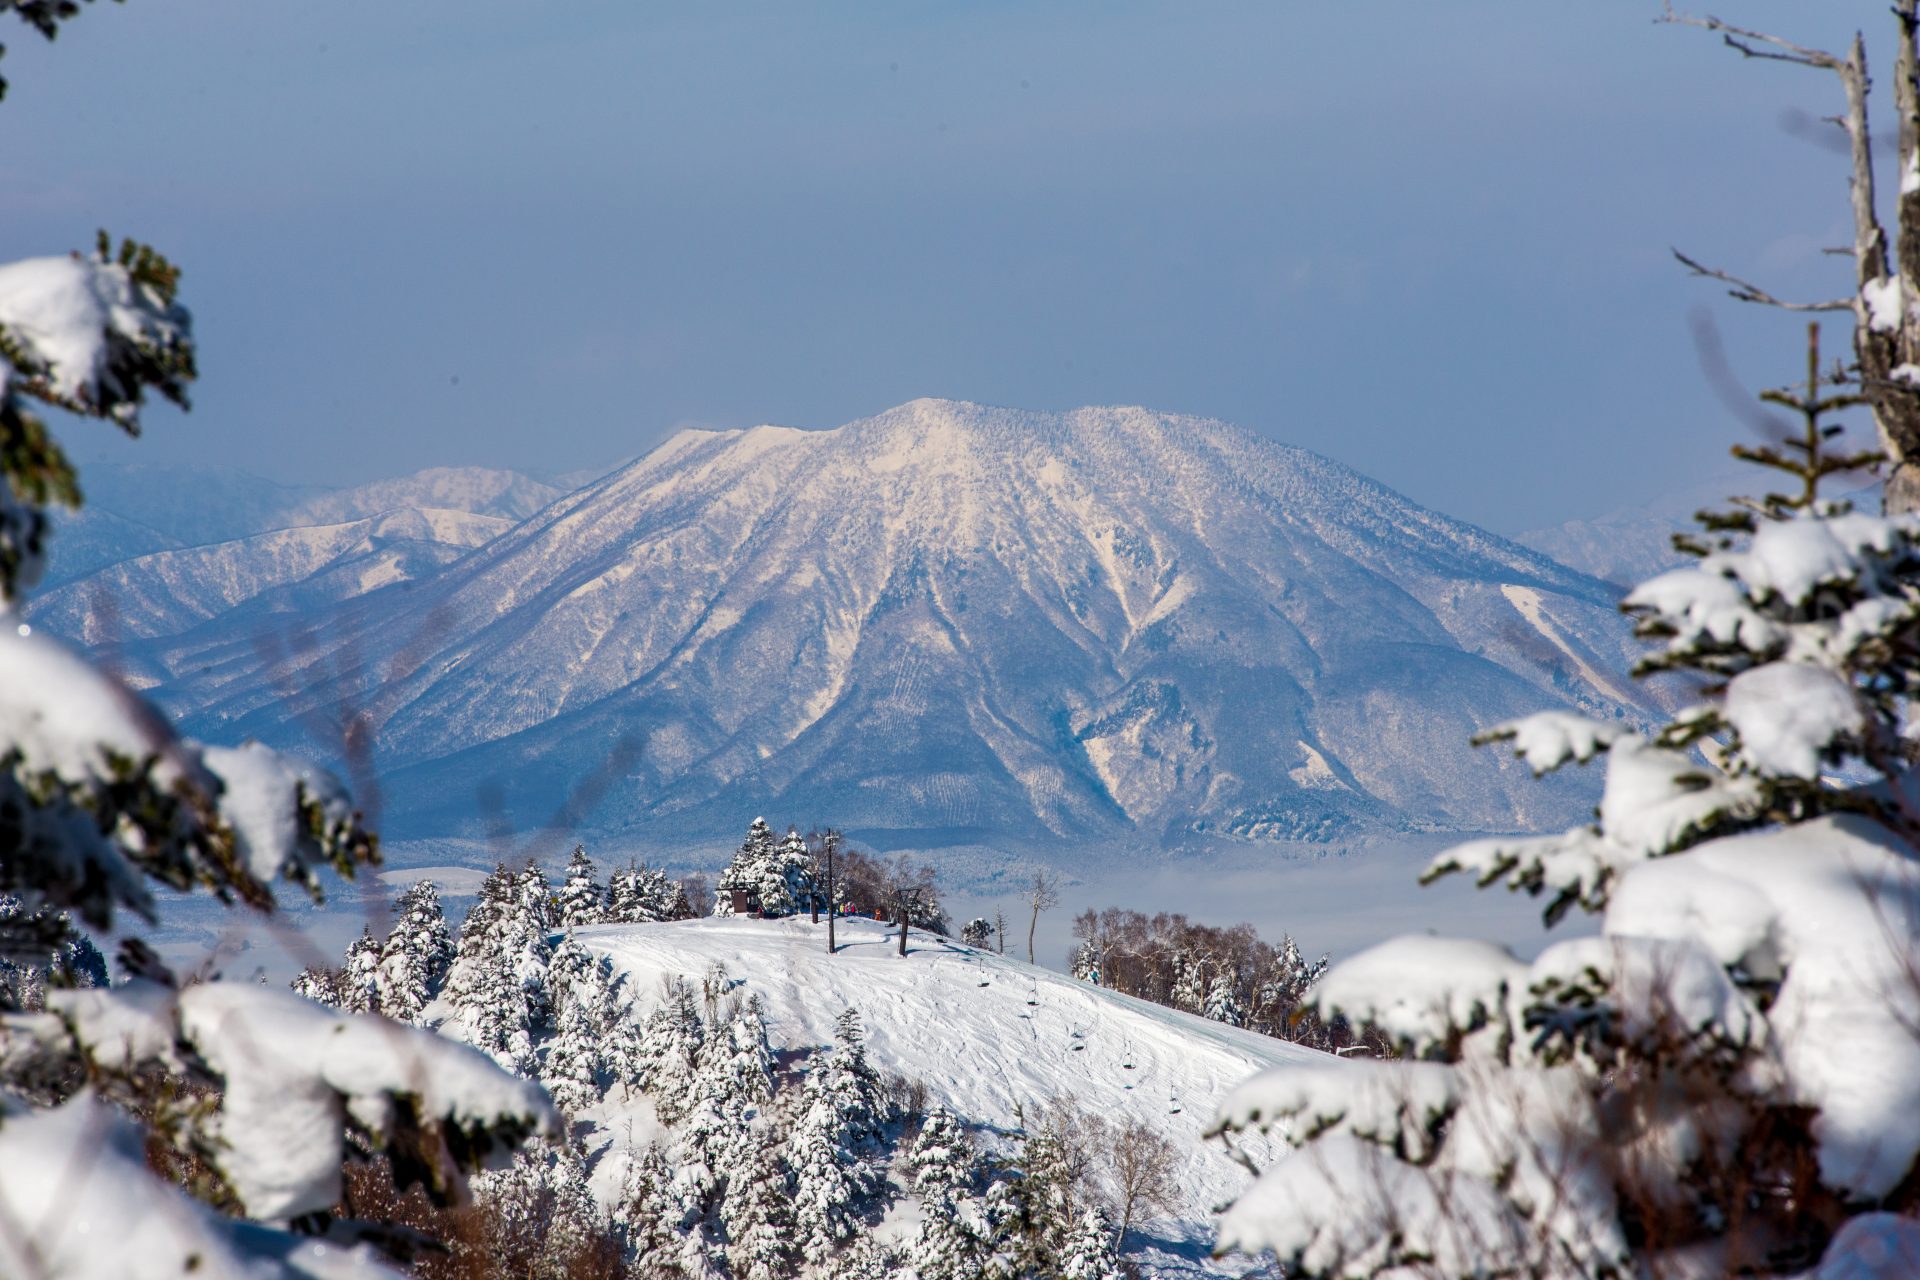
480,490
951,621
301,570
134,510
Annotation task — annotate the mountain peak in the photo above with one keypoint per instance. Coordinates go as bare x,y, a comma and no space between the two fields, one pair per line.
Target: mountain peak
963,621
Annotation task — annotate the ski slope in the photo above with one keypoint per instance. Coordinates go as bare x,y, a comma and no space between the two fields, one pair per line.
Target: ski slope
985,1033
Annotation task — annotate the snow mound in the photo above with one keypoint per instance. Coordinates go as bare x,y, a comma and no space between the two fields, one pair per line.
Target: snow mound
986,1034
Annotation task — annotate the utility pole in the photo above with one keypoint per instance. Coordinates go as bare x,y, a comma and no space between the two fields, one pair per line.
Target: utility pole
813,896
830,839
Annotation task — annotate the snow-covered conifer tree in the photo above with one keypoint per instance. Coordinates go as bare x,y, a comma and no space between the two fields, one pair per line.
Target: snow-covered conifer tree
583,900
415,956
646,1213
1190,982
1729,1070
545,1218
791,877
1084,963
672,1050
360,975
756,1209
753,869
1223,1002
318,984
733,1085
953,1241
645,895
498,982
476,950
866,1259
1089,1252
832,1138
571,1067
978,932
1035,1210
61,955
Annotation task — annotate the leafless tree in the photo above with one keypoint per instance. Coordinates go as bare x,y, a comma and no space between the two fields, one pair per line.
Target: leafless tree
1042,895
1143,1162
699,894
910,891
1885,302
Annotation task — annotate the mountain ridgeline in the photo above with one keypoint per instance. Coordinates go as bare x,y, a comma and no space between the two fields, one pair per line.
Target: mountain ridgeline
944,623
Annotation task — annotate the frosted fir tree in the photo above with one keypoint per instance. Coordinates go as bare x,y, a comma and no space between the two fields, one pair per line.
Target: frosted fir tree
1089,1252
756,1210
1190,982
1728,1073
544,1219
319,984
673,1042
583,900
62,957
646,1212
732,1087
866,1258
978,932
535,900
476,950
416,954
833,1139
953,1241
754,870
1223,1001
360,975
738,1063
1084,963
575,1217
498,980
645,895
1034,1210
572,1065
792,877
625,1053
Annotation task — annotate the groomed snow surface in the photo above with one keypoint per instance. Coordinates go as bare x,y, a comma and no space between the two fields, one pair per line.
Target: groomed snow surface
985,1034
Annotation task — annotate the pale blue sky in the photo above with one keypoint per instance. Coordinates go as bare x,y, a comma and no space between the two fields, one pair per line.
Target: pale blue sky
1426,239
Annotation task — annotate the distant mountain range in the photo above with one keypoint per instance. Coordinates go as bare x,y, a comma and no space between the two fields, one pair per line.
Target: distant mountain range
947,622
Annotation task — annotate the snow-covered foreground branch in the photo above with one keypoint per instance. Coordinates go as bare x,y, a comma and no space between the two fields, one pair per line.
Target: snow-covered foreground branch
1726,1078
99,801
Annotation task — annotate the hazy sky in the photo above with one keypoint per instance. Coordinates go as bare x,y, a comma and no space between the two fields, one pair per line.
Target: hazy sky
1429,240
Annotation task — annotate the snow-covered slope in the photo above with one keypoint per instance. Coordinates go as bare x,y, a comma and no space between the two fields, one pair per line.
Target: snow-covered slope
954,621
480,490
984,1033
134,510
170,592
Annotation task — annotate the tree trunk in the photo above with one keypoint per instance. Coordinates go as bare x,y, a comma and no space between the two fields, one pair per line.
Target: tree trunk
832,910
1032,924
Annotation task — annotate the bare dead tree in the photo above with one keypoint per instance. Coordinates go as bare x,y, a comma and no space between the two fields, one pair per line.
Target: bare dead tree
910,888
1885,302
1143,1162
1042,895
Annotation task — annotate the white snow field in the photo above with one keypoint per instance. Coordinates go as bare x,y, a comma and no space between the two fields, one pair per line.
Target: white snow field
986,1034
